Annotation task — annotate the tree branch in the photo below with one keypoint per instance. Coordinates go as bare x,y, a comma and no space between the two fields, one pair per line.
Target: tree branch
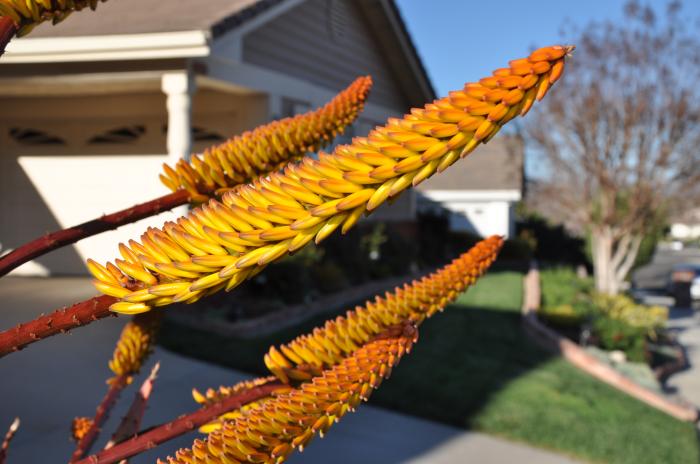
59,321
623,246
8,29
184,424
116,386
60,238
621,272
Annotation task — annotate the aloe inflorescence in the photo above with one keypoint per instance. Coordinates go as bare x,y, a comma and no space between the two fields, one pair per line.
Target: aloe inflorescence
135,343
332,369
271,431
222,243
26,14
268,147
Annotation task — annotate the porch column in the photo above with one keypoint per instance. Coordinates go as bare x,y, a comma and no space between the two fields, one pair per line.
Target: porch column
179,88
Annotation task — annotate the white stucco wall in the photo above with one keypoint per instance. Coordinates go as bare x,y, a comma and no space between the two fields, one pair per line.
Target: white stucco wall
485,212
685,231
79,188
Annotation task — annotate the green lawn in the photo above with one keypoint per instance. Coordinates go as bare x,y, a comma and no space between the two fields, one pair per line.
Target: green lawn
473,367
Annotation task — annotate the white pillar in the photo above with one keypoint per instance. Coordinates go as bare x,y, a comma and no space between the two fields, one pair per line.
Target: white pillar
179,87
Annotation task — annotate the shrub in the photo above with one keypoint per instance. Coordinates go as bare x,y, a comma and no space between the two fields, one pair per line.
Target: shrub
561,286
614,334
649,319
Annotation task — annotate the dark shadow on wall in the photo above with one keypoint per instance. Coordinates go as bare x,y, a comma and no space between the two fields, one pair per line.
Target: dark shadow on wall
26,216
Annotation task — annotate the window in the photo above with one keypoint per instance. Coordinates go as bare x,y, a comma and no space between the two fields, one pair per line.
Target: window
28,136
126,134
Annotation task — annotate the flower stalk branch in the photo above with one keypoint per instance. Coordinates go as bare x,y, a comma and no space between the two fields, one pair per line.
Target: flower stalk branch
183,424
116,385
60,321
11,431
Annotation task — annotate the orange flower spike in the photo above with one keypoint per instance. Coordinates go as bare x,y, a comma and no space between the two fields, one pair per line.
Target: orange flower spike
277,426
330,344
266,148
135,343
332,192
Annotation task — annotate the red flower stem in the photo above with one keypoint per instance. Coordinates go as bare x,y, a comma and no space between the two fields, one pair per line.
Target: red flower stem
184,424
131,423
60,238
8,438
59,321
8,29
84,444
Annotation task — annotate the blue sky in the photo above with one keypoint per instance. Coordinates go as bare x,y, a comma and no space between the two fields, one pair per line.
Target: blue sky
463,40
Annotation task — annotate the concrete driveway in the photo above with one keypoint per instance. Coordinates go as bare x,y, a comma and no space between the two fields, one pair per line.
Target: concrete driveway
50,382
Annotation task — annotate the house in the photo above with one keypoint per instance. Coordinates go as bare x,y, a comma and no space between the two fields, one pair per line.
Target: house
685,225
92,107
480,194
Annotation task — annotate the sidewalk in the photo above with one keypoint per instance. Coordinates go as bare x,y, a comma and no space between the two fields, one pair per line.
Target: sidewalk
50,382
686,323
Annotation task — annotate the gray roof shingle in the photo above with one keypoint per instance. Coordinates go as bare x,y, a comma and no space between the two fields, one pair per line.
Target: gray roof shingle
145,16
497,165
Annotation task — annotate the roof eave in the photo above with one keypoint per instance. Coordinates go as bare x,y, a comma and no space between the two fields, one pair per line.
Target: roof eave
161,45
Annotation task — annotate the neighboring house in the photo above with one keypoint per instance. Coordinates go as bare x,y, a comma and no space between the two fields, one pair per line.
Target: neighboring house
686,226
92,107
480,193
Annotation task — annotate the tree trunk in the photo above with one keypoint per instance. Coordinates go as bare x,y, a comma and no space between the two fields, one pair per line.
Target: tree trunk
612,261
602,253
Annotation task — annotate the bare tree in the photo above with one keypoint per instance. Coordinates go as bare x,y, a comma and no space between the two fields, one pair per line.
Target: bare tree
622,138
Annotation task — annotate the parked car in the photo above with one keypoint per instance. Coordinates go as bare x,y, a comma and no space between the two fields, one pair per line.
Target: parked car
684,283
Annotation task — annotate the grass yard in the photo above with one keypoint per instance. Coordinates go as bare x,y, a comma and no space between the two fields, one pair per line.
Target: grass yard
473,367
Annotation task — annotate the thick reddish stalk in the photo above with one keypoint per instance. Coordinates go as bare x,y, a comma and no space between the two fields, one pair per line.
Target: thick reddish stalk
8,29
59,321
84,444
179,426
131,423
60,238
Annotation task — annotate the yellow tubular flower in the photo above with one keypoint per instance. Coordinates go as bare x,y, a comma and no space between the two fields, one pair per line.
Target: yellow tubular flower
135,344
221,244
270,432
213,396
267,148
26,14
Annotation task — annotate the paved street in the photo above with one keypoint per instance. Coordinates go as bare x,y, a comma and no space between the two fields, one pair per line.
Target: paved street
686,323
655,274
50,382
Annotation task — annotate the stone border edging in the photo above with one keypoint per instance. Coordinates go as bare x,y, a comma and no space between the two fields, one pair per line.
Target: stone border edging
575,355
